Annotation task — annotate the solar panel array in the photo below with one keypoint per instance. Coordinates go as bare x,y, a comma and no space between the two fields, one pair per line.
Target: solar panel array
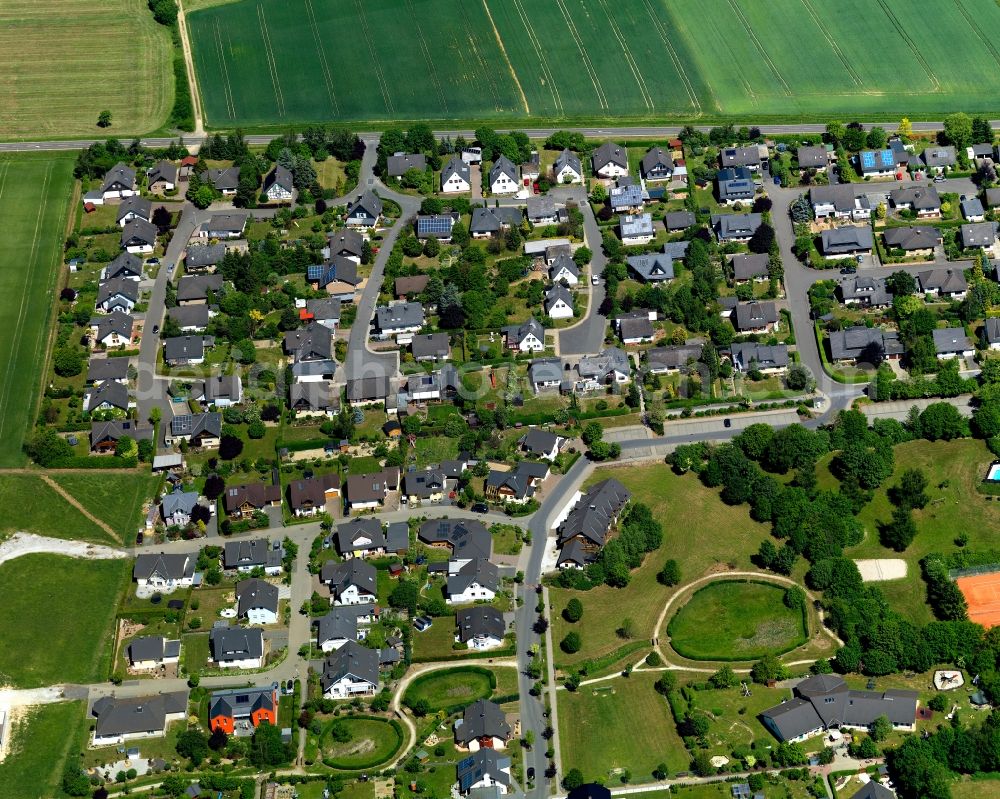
439,223
182,423
315,272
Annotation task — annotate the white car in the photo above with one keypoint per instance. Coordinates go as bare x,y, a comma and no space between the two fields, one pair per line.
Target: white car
595,279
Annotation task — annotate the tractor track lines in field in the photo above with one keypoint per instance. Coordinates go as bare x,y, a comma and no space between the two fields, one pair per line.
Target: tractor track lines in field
510,66
588,65
484,67
894,21
647,98
272,65
536,45
227,87
379,76
323,65
29,272
807,4
661,31
975,29
733,4
427,56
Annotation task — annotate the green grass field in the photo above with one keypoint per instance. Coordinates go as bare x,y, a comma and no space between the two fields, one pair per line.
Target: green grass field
746,621
110,55
56,615
32,506
443,689
116,497
372,741
278,61
34,199
40,742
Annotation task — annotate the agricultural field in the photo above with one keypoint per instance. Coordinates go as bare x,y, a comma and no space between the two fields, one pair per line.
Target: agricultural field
56,615
40,741
277,62
34,198
65,61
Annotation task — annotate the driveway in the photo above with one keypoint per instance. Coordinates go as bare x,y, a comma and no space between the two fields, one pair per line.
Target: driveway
587,337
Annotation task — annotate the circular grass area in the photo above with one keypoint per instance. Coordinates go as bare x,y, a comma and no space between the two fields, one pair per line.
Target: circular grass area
357,742
732,620
451,688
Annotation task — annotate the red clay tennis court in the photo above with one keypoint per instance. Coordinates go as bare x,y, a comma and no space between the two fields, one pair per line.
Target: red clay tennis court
982,593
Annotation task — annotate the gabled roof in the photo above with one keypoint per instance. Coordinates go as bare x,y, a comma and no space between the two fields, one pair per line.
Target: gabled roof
655,159
940,156
316,396
633,225
503,166
118,287
846,239
368,389
183,501
972,206
454,166
227,179
750,265
750,315
118,716
139,206
728,226
197,287
766,356
951,340
100,369
679,220
519,480
629,196
610,153
111,392
254,594
346,241
313,342
606,363
945,281
201,256
184,348
538,442
810,157
341,623
369,202
740,156
920,198
236,643
226,223
356,572
115,429
479,764
148,647
169,566
978,234
563,263
249,553
658,265
871,290
567,158
196,424
853,342
365,527
353,661
673,356
877,160
399,315
119,175
398,164
257,495
478,571
311,491
493,220
516,334
162,170
240,703
735,183
557,293
423,484
429,345
481,621
482,719
914,237
991,330
467,538
114,322
592,516
281,177
842,196
541,206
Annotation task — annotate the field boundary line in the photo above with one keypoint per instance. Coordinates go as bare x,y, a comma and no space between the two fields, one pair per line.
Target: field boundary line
647,98
733,4
323,65
986,42
553,86
272,65
587,64
76,504
811,10
425,51
485,67
678,64
510,66
379,76
894,21
28,272
227,89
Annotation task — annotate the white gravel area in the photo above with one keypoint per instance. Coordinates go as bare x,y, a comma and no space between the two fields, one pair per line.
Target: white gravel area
28,543
881,569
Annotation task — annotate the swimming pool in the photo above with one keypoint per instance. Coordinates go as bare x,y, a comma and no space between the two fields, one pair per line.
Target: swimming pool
993,475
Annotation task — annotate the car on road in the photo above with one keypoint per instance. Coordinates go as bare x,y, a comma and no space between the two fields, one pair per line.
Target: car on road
939,178
156,328
595,279
422,623
848,270
531,772
727,422
480,507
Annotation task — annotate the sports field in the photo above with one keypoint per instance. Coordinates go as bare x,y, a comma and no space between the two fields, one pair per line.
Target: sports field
62,62
982,593
34,200
279,61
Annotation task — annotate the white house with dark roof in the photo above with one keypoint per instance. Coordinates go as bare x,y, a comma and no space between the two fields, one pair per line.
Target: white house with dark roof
164,572
456,176
951,342
184,350
755,317
398,164
125,265
657,165
540,444
766,358
991,332
504,177
113,331
278,185
352,670
567,168
483,725
223,226
480,627
146,653
950,283
108,396
139,236
121,719
750,267
748,156
558,302
735,227
161,177
119,183
476,580
353,582
257,601
528,336
364,536
978,234
847,241
237,647
134,207
564,270
610,161
365,212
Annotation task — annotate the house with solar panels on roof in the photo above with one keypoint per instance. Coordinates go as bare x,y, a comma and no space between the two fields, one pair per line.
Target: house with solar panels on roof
877,163
435,226
485,768
338,277
198,429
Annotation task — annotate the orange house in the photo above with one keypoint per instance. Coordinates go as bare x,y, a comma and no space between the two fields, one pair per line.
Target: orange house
242,708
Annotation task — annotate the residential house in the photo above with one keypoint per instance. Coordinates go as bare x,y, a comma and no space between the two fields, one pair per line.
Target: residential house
134,207
308,496
113,331
873,790
237,647
483,726
314,398
991,332
119,183
198,429
749,157
314,342
257,601
347,244
610,161
917,240
487,222
339,276
824,701
480,627
397,534
864,345
813,157
586,527
609,367
516,486
108,396
242,708
564,270
184,350
456,177
476,580
353,582
410,286
529,336
177,507
847,241
679,220
950,283
153,651
164,572
938,158
401,319
485,769
972,209
367,390
226,181
121,719
567,168
558,302
100,370
125,265
673,358
735,185
981,234
626,198
365,212
658,267
337,628
278,185
756,317
362,537
840,201
869,292
877,163
542,210
540,444
980,152
465,538
545,373
766,358
431,347
161,177
735,227
921,200
398,164
324,311
197,289
992,198
435,226
951,342
190,318
244,500
119,293
636,229
223,226
104,436
426,486
220,391
256,553
352,670
636,327
203,257
750,267
657,165
504,177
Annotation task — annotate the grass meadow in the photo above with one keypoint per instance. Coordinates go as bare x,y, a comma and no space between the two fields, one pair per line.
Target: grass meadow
56,616
40,742
65,61
281,61
32,506
34,198
116,497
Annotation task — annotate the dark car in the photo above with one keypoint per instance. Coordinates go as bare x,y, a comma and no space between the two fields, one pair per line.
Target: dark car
531,772
849,270
156,328
480,507
139,538
727,422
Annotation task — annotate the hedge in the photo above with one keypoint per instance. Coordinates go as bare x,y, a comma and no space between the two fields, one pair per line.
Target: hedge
449,709
601,663
102,462
401,737
462,654
309,443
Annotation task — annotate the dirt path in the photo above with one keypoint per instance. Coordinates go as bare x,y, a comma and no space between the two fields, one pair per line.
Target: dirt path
28,544
83,511
199,128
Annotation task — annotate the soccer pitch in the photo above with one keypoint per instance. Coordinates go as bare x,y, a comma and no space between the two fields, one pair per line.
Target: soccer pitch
281,61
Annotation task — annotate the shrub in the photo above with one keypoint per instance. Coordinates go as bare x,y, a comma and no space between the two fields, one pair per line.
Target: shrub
571,643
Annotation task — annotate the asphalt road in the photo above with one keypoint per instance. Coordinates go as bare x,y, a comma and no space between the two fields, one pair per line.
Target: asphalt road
587,337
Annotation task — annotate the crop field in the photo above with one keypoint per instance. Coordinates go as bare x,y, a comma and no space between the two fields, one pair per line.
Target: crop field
34,197
62,62
280,61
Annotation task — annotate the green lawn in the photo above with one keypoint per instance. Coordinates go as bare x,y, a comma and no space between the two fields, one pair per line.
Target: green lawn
40,742
444,689
114,497
726,537
600,725
434,449
34,200
731,620
56,617
195,652
32,506
372,741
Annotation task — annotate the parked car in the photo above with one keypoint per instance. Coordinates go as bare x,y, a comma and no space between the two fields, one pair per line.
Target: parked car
727,422
139,538
156,328
939,178
531,772
480,507
595,279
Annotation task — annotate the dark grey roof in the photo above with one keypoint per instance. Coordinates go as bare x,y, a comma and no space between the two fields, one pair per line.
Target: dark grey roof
183,501
201,256
493,220
167,566
369,202
736,183
189,316
366,527
119,175
604,364
227,179
747,266
867,290
250,553
350,660
316,396
503,166
519,480
467,538
480,621
554,294
740,156
197,287
125,264
610,153
241,703
940,156
367,389
346,242
455,165
357,572
766,356
477,570
853,342
567,158
195,424
138,231
592,516
811,157
673,356
538,442
111,392
431,345
482,719
310,492
752,315
541,206
137,206
945,281
115,287
656,161
313,342
115,322
398,164
236,643
873,790
162,170
914,237
841,196
184,348
516,334
951,340
991,330
399,315
736,226
919,198
226,223
563,263
628,196
992,197
545,370
486,761
978,234
846,239
324,308
127,716
101,369
423,485
679,220
340,623
253,593
397,536
147,647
